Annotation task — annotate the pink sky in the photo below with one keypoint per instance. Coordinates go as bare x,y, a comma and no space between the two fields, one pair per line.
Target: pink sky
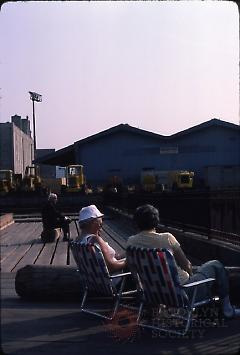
160,66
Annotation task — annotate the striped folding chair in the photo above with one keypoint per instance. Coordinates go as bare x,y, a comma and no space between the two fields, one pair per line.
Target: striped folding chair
95,277
155,271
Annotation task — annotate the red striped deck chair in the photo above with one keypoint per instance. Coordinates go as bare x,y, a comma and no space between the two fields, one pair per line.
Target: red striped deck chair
155,271
95,277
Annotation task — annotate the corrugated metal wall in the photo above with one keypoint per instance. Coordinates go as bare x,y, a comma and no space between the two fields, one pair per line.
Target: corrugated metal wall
125,154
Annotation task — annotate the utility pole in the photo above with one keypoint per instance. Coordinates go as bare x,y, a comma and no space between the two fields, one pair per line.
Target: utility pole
38,98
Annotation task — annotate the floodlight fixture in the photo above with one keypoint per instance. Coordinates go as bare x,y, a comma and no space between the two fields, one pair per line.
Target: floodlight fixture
35,96
38,98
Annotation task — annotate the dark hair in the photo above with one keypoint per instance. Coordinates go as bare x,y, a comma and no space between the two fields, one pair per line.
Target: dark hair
146,217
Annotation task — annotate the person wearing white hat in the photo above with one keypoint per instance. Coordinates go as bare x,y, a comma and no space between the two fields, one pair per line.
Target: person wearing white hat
90,223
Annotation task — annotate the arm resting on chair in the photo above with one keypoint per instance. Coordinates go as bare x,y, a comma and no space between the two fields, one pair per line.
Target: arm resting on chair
196,283
120,275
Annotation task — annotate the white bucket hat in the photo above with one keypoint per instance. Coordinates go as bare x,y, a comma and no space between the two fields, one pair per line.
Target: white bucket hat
88,213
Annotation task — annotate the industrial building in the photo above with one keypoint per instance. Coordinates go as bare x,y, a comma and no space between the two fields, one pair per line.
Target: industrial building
16,145
211,150
17,148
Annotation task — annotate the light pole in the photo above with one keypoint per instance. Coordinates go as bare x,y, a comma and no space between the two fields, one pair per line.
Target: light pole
38,98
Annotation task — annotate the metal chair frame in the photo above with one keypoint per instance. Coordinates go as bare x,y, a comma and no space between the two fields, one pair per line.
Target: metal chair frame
91,265
161,263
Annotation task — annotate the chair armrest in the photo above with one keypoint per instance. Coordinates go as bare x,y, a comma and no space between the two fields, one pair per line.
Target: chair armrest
196,283
120,275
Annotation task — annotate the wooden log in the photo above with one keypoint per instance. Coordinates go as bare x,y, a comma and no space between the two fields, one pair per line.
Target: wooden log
63,282
48,282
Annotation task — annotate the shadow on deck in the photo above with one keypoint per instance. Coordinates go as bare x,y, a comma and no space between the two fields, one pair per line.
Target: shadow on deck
30,328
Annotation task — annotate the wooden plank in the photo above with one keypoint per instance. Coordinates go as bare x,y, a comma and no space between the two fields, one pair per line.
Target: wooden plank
71,260
60,257
26,239
122,228
22,233
6,251
10,235
6,231
115,235
10,262
73,230
30,234
46,254
37,229
29,257
7,275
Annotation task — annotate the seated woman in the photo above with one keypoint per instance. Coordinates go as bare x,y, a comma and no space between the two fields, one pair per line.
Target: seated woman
147,219
90,223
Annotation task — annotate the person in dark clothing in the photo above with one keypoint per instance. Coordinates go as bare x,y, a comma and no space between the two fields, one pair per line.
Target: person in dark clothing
52,217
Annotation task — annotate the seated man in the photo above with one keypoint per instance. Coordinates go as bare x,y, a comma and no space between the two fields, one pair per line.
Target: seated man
90,223
52,218
147,219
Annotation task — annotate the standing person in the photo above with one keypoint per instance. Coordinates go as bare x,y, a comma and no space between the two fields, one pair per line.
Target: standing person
147,219
52,218
90,223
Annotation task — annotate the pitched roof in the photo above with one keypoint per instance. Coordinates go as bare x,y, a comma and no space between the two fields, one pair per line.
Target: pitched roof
213,122
119,128
61,157
66,155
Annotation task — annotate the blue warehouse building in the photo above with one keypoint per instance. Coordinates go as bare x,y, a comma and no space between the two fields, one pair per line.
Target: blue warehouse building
211,150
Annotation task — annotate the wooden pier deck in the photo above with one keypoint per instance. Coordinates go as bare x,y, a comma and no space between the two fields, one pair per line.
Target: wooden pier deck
35,327
21,245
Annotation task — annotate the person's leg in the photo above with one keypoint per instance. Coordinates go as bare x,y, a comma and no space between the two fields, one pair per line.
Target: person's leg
66,230
64,224
215,269
203,291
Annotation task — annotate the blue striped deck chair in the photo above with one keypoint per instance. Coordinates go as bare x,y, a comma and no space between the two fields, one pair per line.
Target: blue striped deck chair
96,279
156,273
